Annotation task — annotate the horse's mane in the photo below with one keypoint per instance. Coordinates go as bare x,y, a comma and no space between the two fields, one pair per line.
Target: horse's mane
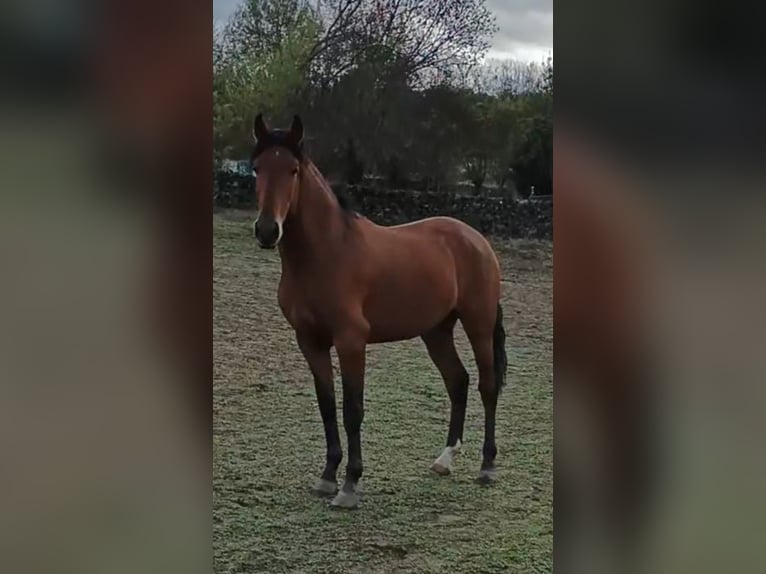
345,201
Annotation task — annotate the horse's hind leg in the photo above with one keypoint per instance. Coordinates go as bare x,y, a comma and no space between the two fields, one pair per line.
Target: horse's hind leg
441,348
480,334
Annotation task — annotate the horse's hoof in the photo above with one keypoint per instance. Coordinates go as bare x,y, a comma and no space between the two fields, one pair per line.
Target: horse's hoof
347,500
324,487
443,465
440,469
487,476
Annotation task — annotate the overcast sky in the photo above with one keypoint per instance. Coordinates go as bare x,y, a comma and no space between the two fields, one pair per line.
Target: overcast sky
525,27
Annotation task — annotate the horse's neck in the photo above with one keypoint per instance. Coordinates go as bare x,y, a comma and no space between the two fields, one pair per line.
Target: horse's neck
313,231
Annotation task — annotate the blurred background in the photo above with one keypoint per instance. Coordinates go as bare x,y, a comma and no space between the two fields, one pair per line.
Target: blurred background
105,360
658,313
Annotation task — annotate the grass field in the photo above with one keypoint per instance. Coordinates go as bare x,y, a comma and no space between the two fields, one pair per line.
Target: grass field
269,444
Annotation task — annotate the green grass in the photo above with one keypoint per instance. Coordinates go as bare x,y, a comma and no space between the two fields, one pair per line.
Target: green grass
269,445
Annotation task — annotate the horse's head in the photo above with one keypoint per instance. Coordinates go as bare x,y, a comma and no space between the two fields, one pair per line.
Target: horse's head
276,162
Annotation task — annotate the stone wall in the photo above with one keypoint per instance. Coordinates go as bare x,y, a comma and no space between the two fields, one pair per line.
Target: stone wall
496,216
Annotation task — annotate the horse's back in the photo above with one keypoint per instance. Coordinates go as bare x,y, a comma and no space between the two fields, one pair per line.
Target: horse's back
414,275
459,235
469,247
475,265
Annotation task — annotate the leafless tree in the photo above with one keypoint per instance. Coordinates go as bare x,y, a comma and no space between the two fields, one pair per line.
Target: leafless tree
422,39
506,77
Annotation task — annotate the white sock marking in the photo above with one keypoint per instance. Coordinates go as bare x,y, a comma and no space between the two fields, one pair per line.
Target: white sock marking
445,458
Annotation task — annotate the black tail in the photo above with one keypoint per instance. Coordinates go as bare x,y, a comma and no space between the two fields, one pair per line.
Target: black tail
498,344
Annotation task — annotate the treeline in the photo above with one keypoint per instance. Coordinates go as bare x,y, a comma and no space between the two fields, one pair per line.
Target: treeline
390,90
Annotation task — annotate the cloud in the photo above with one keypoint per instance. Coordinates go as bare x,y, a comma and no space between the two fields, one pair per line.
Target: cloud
525,28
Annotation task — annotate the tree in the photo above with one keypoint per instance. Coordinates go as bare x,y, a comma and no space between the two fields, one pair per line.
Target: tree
388,88
261,27
425,39
501,134
477,146
532,163
439,135
546,78
506,78
256,73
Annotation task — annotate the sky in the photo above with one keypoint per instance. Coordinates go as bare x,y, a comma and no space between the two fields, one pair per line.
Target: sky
525,27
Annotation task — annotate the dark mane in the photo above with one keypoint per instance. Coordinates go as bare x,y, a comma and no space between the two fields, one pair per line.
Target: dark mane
345,201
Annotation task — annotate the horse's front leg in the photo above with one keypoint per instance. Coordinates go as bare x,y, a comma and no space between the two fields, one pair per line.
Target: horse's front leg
318,358
351,355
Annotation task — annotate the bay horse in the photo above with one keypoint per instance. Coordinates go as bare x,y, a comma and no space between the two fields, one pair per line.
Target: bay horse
347,282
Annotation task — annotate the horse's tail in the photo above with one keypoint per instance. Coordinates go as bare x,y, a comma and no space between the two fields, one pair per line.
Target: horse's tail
500,363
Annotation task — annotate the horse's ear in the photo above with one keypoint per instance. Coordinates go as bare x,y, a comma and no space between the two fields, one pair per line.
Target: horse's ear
260,129
296,130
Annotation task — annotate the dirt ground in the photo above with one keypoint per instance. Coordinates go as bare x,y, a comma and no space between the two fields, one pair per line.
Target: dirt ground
269,444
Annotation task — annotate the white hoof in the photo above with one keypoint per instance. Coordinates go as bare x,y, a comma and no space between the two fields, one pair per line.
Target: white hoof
443,465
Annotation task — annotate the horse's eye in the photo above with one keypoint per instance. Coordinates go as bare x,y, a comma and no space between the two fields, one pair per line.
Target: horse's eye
294,171
255,170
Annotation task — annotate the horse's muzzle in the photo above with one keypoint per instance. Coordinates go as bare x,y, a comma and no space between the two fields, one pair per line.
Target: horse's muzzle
267,233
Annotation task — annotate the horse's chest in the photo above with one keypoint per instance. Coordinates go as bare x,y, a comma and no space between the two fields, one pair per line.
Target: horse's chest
300,309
